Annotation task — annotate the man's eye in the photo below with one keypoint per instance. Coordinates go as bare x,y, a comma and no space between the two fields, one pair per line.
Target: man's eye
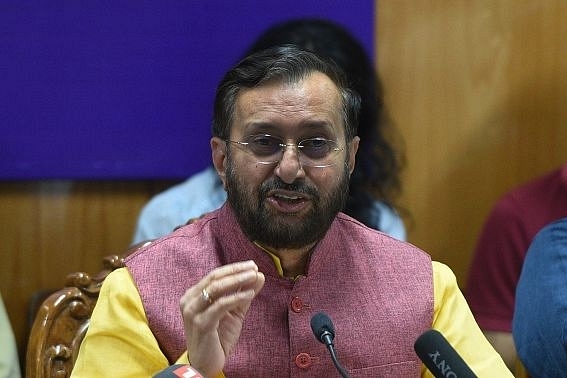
263,141
315,147
264,144
314,143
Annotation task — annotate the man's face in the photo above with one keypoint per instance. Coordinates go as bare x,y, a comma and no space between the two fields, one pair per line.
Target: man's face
287,204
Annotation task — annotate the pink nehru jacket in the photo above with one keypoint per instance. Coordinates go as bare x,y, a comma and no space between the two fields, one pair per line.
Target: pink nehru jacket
377,290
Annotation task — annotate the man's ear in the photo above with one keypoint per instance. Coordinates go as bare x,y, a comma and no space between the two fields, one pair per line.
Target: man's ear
352,153
218,150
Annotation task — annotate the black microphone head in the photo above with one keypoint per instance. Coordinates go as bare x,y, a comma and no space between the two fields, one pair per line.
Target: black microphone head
440,357
323,329
321,324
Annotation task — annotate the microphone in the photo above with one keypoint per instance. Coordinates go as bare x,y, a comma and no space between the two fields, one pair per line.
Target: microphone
440,357
324,332
175,371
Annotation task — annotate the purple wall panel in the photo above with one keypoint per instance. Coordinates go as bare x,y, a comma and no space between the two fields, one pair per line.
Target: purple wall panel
124,89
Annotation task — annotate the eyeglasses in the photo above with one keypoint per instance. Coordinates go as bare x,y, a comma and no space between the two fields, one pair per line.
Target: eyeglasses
269,149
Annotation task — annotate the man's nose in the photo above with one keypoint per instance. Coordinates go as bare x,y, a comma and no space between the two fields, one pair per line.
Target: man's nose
289,167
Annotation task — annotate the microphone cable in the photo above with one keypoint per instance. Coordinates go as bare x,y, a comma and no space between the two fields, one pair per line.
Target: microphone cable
324,332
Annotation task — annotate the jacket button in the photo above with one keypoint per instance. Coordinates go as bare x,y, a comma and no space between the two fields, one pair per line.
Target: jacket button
296,304
303,360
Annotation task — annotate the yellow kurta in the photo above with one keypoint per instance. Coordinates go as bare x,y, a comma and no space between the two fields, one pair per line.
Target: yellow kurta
121,344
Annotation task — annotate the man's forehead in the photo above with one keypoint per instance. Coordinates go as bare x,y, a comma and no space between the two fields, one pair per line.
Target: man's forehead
315,90
311,101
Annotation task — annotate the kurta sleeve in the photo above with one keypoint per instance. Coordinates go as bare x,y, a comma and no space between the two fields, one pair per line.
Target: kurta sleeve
119,342
453,318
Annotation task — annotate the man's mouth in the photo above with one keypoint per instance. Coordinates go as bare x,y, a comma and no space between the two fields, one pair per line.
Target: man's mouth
286,197
288,202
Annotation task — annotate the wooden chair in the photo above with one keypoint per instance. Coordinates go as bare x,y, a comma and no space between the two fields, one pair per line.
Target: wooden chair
63,319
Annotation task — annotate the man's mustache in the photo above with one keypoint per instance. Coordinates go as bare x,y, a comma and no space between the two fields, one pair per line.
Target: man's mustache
298,186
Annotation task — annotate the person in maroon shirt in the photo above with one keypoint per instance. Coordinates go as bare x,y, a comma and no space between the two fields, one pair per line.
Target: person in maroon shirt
499,254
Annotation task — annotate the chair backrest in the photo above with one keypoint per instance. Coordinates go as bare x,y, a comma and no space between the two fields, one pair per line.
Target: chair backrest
63,319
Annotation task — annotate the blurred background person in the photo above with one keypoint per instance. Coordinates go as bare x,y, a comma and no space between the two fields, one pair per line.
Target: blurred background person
375,183
540,316
9,362
499,254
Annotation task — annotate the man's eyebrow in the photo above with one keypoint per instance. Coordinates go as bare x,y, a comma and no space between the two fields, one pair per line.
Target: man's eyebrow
318,124
309,125
324,127
259,127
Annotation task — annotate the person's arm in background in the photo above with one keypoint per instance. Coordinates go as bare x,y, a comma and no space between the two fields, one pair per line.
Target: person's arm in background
9,362
387,220
540,317
201,193
493,276
151,223
453,318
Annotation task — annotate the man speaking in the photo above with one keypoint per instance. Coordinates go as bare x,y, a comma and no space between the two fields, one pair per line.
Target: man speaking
232,294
